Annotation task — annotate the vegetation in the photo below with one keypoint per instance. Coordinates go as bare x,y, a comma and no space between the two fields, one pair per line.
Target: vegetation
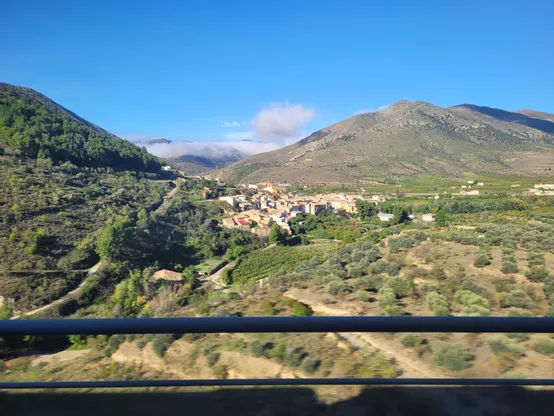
452,357
32,129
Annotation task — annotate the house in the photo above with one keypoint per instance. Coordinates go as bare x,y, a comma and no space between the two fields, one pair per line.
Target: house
544,186
480,184
228,223
428,218
166,275
472,192
385,217
166,168
230,200
252,186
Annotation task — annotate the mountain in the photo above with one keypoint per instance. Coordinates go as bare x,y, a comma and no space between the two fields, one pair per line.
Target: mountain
196,164
537,114
409,138
35,127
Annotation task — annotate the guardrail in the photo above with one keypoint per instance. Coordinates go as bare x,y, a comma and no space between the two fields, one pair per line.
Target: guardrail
277,324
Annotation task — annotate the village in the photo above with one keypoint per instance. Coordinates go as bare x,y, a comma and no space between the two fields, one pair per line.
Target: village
273,204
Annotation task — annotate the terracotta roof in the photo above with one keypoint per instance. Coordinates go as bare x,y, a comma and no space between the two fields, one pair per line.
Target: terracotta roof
165,274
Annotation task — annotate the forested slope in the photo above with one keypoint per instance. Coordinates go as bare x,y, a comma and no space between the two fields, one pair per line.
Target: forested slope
33,128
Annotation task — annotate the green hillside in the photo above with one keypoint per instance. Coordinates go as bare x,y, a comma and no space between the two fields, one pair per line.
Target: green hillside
35,127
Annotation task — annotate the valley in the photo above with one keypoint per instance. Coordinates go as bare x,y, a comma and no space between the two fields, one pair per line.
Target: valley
102,229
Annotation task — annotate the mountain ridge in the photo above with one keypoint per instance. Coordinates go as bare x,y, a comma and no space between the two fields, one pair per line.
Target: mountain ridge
409,138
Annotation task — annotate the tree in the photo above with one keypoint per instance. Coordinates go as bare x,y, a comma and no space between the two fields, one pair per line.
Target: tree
114,239
441,218
277,234
190,276
5,312
365,209
481,259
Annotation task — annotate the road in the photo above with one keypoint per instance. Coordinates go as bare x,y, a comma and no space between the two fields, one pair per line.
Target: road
68,295
214,277
92,270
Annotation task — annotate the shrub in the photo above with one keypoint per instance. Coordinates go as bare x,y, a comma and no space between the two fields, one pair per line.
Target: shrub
509,267
550,311
363,296
294,357
161,343
335,288
309,365
517,298
471,286
504,345
419,237
549,288
536,274
212,358
452,357
472,303
401,287
544,346
278,352
220,371
256,348
411,340
389,303
301,310
535,259
438,304
518,312
481,259
396,244
379,267
113,344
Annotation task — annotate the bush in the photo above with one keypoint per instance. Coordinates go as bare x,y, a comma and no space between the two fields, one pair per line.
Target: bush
518,299
471,286
309,365
161,343
401,287
481,259
536,274
301,310
452,357
220,371
396,244
472,303
438,304
544,346
550,311
256,348
549,288
212,358
504,345
335,288
363,296
113,344
411,340
535,259
419,237
278,351
294,357
389,303
509,267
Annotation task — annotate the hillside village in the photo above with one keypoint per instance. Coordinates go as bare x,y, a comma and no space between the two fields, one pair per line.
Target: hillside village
273,204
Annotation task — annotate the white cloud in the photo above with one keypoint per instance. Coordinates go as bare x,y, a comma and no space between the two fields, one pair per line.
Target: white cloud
281,123
232,123
179,148
239,135
371,110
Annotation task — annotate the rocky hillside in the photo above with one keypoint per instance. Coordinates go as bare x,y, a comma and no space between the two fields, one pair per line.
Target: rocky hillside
410,138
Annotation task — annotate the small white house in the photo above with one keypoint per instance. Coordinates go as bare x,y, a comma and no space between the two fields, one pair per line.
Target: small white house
428,218
166,168
385,217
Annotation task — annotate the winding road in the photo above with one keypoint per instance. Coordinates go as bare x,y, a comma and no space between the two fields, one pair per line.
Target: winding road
93,269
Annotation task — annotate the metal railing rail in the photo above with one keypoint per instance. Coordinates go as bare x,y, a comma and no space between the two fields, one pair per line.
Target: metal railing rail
277,325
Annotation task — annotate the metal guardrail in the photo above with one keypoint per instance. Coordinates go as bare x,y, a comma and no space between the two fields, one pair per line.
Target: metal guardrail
277,324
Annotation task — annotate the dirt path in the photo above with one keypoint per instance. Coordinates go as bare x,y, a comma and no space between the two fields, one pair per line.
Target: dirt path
68,295
58,357
214,277
411,366
92,270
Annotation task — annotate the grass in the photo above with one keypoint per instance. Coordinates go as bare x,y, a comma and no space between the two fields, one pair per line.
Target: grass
211,265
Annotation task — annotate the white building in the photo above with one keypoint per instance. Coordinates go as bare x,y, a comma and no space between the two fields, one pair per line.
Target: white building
428,217
385,217
166,168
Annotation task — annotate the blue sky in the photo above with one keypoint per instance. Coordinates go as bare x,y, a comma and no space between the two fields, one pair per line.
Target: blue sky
273,69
